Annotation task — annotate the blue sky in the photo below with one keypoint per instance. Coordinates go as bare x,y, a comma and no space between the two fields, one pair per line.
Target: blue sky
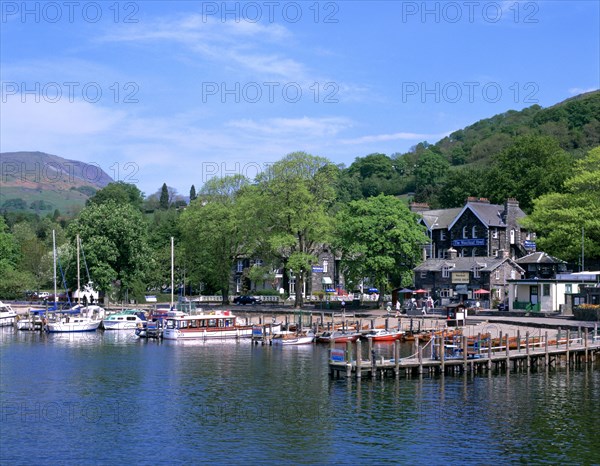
177,92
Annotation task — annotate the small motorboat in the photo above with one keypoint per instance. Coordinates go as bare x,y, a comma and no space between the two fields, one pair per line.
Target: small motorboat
338,337
293,338
380,334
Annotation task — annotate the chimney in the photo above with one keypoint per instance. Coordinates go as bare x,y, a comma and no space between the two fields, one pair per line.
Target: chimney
451,253
418,206
502,253
511,206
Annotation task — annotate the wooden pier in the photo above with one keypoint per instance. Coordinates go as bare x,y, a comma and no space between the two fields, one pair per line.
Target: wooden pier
439,356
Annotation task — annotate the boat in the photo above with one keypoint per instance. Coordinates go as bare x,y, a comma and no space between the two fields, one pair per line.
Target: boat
338,337
203,326
293,338
380,334
77,319
33,321
124,320
7,315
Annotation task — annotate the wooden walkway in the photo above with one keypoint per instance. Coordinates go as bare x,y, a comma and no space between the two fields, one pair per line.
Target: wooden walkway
467,355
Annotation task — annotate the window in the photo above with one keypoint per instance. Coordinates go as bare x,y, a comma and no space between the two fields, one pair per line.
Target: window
445,271
325,266
474,232
240,266
464,232
495,233
442,235
423,274
238,284
495,252
546,289
512,274
568,288
476,273
497,274
445,293
512,236
258,262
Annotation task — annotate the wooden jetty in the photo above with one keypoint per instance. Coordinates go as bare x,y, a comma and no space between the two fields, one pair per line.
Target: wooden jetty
439,356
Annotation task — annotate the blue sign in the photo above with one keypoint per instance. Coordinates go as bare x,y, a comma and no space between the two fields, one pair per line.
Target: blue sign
317,269
529,245
329,290
469,242
337,355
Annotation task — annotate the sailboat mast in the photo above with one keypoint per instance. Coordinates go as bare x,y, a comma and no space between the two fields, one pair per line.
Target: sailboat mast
172,270
54,263
78,276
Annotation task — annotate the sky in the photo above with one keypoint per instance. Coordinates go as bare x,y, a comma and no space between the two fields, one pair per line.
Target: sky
173,92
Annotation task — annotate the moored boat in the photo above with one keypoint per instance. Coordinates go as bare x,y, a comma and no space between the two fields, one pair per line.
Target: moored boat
124,320
7,315
293,338
76,319
380,334
338,337
202,326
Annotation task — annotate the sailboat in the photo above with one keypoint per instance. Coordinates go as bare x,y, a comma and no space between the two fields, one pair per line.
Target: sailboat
79,318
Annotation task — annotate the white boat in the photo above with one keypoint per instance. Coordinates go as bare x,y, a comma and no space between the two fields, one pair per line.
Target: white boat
203,326
293,338
77,319
34,321
124,320
7,315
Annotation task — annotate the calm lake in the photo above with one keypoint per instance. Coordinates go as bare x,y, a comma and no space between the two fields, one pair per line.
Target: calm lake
109,398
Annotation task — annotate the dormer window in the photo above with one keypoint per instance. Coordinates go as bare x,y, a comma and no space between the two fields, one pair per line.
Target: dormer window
476,272
474,232
464,232
445,271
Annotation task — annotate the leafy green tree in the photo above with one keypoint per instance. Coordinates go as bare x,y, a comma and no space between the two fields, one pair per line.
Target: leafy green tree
294,198
531,167
216,231
164,197
115,240
192,193
460,183
558,218
379,238
14,281
430,172
118,192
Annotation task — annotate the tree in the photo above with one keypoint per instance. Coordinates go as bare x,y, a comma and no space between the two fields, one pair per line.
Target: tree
192,193
14,282
430,171
120,193
558,218
216,231
531,167
115,240
164,197
379,238
294,196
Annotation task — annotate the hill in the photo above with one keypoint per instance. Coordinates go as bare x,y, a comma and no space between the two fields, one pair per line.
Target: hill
41,183
466,162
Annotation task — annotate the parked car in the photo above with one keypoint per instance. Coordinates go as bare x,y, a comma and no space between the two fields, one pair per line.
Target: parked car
244,299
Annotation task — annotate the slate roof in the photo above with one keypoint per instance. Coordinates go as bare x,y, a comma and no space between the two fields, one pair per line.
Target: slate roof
439,219
465,264
539,257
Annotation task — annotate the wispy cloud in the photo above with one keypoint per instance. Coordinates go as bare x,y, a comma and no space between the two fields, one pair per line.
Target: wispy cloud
402,136
580,90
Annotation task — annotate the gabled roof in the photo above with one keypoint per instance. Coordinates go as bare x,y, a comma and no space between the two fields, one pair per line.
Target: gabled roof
539,257
490,215
439,219
466,264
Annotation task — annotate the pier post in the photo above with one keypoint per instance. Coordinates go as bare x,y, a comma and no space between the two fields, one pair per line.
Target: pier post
558,336
465,352
373,365
527,348
442,350
519,340
372,324
479,343
490,354
507,354
547,356
358,359
420,359
585,336
387,323
370,345
349,352
567,349
397,358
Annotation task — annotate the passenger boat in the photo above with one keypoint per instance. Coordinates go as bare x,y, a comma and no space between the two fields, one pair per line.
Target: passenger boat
124,320
7,315
380,334
203,326
293,338
338,337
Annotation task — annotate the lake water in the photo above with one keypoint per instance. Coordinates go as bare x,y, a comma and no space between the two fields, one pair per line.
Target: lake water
108,398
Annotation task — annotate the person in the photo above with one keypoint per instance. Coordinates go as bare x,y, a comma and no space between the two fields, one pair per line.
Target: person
477,305
429,303
343,305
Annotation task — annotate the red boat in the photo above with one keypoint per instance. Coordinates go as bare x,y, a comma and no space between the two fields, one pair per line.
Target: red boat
380,334
338,337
